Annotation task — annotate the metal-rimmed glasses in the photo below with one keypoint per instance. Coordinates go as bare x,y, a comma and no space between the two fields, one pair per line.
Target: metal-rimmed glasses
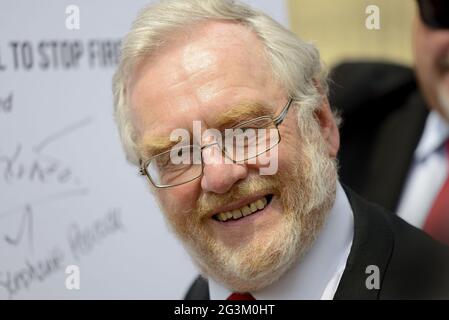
244,141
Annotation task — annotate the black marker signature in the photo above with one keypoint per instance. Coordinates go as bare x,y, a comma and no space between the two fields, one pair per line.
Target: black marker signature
82,240
25,228
40,167
14,281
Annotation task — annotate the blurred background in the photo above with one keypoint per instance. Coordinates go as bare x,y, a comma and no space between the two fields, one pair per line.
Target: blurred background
338,29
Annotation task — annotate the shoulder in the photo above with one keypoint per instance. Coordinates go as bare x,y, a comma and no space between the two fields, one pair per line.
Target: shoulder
419,265
354,84
415,266
199,290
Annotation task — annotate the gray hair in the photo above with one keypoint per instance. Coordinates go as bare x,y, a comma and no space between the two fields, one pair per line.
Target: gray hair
295,64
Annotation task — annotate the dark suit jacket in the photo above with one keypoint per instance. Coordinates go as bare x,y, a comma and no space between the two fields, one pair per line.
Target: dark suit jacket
411,264
383,119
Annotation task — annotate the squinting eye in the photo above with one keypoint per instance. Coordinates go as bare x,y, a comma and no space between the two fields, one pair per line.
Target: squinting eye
244,130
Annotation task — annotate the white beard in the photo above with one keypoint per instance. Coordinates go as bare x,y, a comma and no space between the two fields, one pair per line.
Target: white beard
307,203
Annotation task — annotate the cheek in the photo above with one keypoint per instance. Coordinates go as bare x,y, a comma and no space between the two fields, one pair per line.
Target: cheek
430,46
424,49
288,156
428,57
290,142
179,199
276,158
290,145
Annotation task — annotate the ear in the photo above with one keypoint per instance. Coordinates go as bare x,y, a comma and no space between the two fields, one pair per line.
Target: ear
329,128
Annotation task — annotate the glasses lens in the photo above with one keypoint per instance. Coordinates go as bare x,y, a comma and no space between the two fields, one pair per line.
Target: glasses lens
250,139
435,13
176,166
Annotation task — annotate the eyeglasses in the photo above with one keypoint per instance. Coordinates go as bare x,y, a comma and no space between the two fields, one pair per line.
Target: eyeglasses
434,13
244,141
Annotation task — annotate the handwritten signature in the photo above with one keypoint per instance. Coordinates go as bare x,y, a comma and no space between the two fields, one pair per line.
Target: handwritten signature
40,167
6,104
81,242
32,271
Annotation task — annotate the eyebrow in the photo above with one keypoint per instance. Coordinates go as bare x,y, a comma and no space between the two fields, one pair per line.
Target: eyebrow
242,112
150,146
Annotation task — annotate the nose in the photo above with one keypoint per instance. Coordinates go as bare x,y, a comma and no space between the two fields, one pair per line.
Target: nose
219,173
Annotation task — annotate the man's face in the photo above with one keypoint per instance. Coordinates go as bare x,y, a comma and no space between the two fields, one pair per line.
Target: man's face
431,49
202,75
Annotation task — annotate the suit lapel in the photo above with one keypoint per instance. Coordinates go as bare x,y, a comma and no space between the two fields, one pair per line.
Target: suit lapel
372,247
199,290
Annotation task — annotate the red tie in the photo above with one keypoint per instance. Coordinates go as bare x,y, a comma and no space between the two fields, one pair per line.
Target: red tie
240,296
437,223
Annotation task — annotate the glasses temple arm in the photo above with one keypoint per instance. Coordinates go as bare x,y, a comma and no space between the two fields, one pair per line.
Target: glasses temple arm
278,120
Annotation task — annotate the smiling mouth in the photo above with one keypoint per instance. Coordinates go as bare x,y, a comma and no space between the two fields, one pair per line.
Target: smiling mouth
244,211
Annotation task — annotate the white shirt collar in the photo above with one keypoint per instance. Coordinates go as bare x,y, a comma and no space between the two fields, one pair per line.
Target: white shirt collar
436,132
317,274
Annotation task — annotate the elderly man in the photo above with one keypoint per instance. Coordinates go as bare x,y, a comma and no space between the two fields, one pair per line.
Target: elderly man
226,114
395,140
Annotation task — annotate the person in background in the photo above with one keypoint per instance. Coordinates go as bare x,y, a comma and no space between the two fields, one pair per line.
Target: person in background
225,112
395,136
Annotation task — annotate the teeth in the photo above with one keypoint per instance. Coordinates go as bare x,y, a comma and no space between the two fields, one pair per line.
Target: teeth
246,210
253,207
243,211
259,204
236,214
